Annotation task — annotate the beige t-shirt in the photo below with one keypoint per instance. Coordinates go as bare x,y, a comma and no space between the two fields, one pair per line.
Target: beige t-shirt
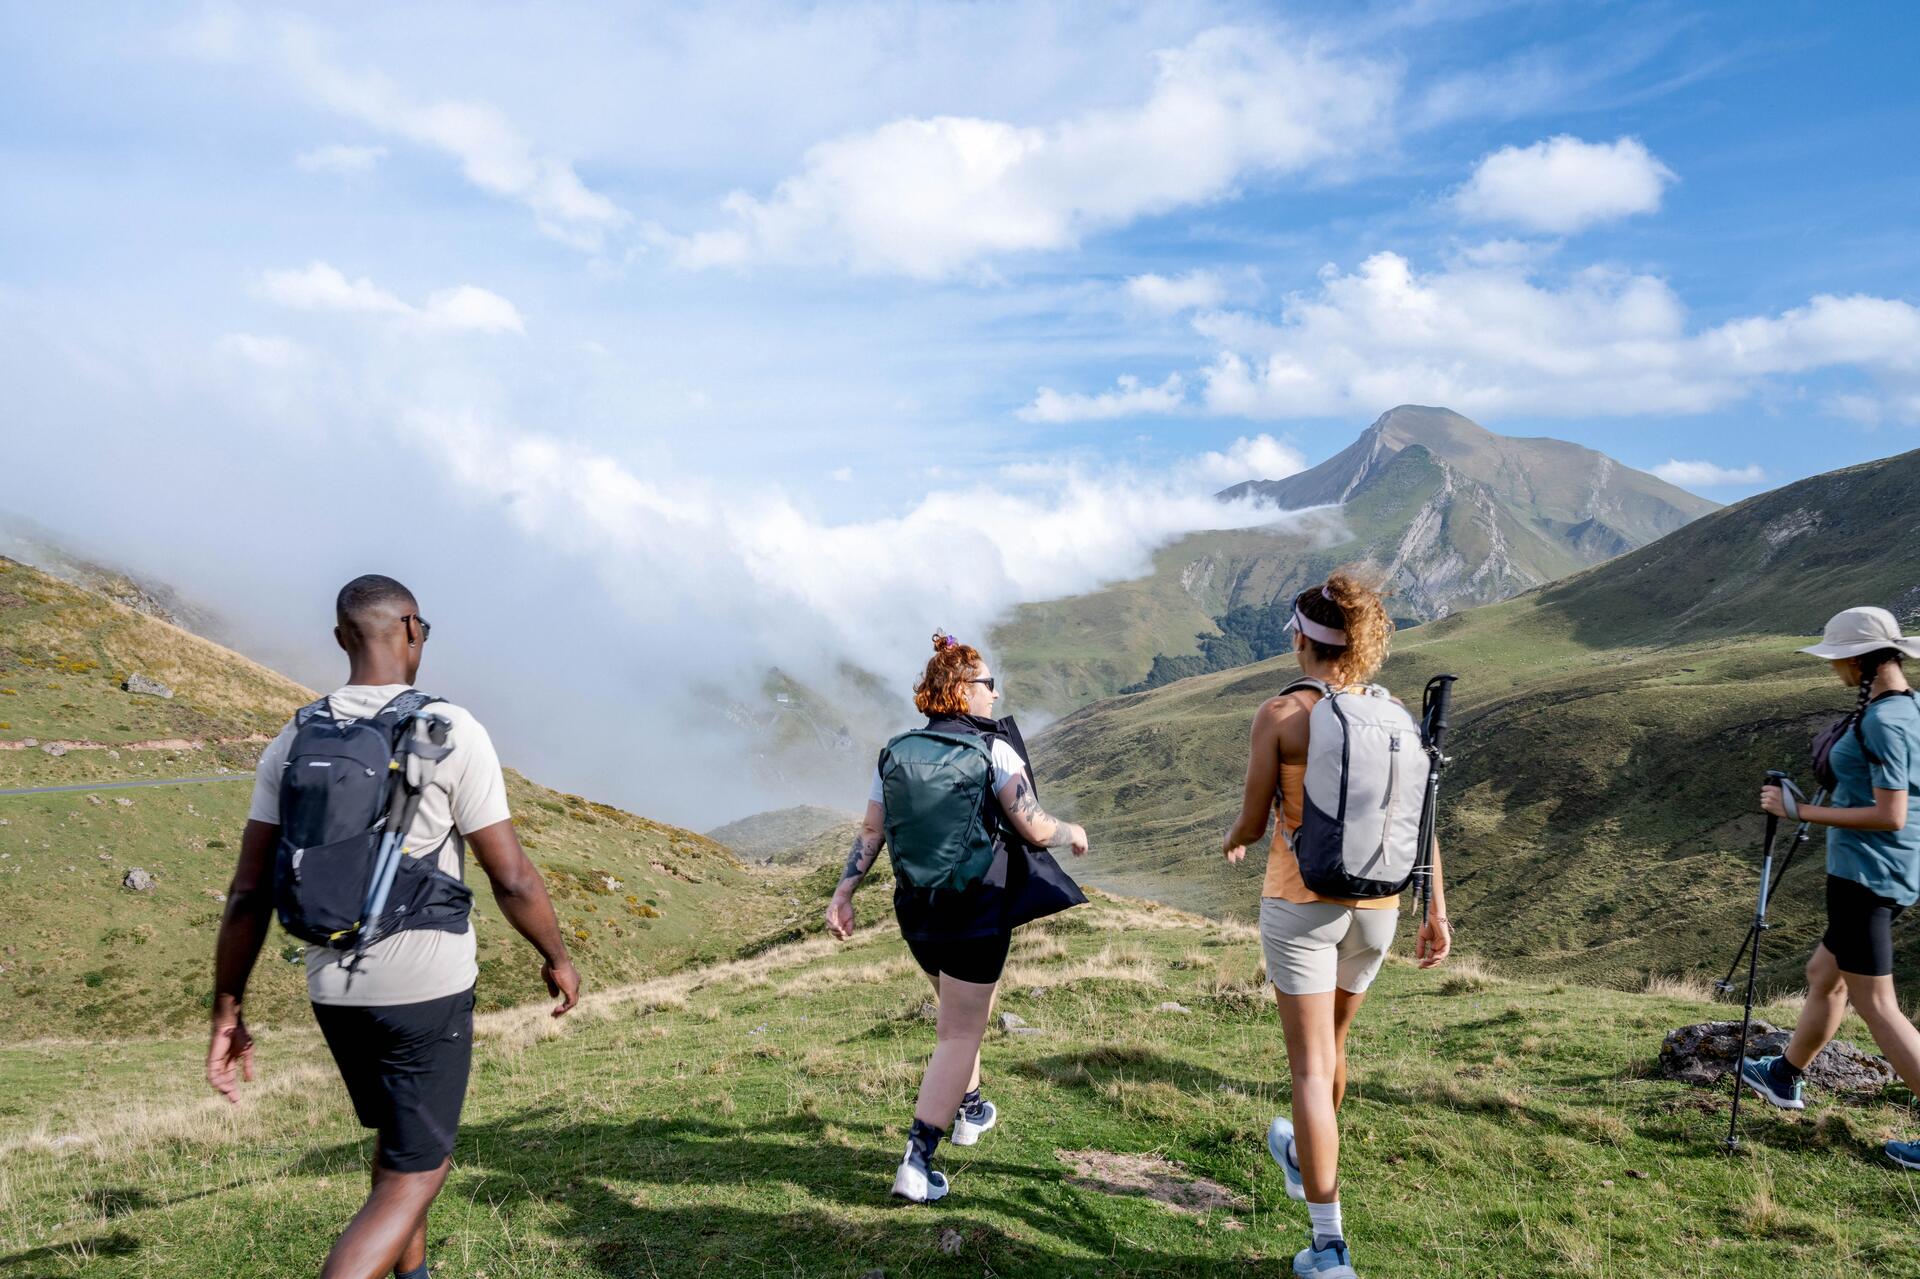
467,793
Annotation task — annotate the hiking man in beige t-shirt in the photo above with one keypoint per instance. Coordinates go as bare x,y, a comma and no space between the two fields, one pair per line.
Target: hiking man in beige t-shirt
398,1014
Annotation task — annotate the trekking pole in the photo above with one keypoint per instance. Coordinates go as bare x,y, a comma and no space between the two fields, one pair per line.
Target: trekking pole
414,763
1435,705
1787,789
1725,984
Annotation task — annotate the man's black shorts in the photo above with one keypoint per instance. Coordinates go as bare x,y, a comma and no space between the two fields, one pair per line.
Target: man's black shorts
1860,927
972,959
405,1065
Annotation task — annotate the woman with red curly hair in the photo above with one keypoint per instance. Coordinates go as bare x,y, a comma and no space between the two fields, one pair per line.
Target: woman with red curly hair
959,788
1321,952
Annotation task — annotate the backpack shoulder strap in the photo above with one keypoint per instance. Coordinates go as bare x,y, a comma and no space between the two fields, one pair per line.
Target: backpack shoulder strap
406,702
312,709
1860,722
1319,686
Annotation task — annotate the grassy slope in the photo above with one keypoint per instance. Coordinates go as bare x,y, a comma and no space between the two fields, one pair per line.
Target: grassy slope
774,834
744,1120
1505,527
82,955
1611,731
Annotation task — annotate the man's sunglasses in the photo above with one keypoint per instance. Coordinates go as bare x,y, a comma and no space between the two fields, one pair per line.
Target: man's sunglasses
988,681
426,627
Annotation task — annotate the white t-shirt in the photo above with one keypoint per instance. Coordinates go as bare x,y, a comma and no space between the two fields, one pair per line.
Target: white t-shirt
467,793
1006,762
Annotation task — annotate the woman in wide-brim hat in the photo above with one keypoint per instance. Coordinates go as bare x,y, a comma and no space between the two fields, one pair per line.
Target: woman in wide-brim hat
1872,762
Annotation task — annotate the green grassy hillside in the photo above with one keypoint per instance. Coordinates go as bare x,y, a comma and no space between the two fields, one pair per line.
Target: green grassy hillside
1453,514
84,955
745,1118
779,834
1611,731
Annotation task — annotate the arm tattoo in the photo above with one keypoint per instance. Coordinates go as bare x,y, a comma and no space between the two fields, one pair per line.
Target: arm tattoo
1026,805
866,847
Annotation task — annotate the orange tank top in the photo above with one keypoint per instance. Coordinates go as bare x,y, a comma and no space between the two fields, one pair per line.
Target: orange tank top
1283,868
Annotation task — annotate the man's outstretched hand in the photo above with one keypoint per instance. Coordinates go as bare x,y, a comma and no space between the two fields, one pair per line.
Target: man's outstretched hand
563,983
230,1058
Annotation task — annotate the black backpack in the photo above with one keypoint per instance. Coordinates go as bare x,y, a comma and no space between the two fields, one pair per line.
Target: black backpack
1829,737
342,788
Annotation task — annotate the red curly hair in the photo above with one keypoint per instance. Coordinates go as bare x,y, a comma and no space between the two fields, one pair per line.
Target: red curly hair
942,690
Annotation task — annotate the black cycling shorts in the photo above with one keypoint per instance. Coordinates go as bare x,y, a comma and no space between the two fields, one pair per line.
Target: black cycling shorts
972,959
405,1066
1860,928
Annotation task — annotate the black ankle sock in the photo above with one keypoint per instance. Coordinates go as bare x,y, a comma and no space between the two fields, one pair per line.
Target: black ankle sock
922,1140
1785,1072
971,1099
421,1273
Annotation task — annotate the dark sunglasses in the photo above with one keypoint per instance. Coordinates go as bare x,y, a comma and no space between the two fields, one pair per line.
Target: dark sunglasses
988,681
426,627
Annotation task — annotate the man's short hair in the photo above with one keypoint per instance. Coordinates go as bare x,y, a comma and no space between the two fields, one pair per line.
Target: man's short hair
361,604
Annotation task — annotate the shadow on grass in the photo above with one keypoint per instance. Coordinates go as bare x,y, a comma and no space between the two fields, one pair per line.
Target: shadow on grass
592,1183
117,1244
1093,1068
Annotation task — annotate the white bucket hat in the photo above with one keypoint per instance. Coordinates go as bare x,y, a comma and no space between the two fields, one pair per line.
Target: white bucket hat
1862,630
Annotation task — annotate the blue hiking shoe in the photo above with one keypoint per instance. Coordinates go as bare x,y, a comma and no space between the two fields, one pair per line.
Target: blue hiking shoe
1280,1146
1330,1262
1904,1153
1759,1076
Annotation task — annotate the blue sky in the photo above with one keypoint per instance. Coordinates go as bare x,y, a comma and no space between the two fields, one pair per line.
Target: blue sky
732,319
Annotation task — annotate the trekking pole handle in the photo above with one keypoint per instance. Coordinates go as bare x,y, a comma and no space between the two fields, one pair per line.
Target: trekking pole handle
1790,795
1437,706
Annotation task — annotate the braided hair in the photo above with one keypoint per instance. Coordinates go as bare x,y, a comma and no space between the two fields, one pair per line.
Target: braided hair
1869,665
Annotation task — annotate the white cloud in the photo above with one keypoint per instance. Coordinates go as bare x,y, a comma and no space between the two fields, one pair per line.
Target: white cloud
1562,184
1258,457
267,351
340,159
932,197
1707,474
773,578
1193,291
492,153
1130,399
320,287
1498,340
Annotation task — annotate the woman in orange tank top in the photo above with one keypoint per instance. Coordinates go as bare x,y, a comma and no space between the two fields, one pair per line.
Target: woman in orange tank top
1322,952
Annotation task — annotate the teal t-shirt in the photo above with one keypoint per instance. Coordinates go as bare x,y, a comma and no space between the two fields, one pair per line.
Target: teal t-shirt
1886,861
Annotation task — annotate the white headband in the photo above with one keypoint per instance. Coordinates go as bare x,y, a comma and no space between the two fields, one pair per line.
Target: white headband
1315,631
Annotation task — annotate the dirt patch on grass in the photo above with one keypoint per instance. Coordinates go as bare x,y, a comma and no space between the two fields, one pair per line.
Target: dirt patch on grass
1146,1177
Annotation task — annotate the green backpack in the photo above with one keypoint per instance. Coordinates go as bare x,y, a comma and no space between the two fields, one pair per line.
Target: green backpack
936,788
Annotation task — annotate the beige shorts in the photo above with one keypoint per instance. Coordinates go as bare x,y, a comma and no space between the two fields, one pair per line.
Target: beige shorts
1312,947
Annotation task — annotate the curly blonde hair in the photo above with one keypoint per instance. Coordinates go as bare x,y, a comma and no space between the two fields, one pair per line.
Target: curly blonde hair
942,689
1350,600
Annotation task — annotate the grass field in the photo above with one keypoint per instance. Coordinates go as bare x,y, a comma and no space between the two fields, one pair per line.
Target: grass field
81,955
744,1119
1610,733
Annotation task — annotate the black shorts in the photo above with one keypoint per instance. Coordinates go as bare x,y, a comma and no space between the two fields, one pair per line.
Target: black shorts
972,959
405,1066
1860,928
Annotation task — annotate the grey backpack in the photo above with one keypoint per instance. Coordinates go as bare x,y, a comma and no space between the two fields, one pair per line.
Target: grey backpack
1359,835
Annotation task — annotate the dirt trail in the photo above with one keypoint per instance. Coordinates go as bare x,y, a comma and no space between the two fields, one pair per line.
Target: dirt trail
152,744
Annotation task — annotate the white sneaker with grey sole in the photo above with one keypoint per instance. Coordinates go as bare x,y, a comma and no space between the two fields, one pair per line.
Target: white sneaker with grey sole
918,1185
1280,1146
972,1121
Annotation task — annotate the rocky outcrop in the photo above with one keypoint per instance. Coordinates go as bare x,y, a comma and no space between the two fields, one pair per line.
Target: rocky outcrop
1703,1053
146,685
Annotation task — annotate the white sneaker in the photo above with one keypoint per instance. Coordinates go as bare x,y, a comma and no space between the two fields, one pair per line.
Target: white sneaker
918,1185
1280,1146
972,1121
